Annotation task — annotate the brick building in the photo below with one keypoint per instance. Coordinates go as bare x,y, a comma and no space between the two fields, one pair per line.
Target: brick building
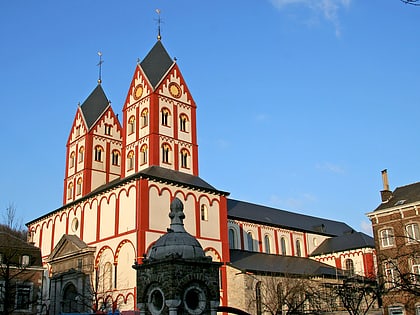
396,223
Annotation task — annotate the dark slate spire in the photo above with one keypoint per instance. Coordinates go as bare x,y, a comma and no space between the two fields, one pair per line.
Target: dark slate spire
94,106
156,63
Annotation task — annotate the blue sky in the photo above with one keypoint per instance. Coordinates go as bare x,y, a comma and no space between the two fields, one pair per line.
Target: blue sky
301,103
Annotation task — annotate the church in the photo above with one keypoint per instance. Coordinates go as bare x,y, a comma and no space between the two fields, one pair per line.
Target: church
121,175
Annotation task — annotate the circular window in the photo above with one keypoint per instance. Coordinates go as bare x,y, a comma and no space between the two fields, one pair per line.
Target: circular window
74,224
194,300
156,301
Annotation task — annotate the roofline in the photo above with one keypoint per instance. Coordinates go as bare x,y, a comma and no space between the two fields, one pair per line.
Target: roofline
119,182
375,213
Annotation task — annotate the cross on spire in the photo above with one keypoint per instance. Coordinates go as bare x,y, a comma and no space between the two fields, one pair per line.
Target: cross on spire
100,67
159,21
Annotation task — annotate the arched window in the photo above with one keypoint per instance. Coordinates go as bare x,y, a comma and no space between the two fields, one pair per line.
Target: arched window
143,154
184,158
412,233
183,119
267,243
70,191
144,117
72,159
232,238
349,267
115,158
98,153
165,116
250,240
298,249
81,154
79,186
131,125
283,246
166,149
204,213
130,160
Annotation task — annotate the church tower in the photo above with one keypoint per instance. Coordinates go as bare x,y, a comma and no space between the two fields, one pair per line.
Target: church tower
159,118
93,155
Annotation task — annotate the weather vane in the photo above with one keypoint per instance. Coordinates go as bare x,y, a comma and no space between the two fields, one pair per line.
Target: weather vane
100,67
159,21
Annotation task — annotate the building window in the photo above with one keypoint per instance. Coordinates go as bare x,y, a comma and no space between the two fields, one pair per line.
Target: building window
415,269
24,260
79,186
77,131
184,158
183,119
396,310
349,267
81,154
23,296
165,153
258,298
412,233
386,237
107,276
165,117
232,238
115,158
144,117
130,160
108,129
250,241
131,125
70,191
283,246
390,273
72,159
204,213
267,243
98,153
143,154
298,249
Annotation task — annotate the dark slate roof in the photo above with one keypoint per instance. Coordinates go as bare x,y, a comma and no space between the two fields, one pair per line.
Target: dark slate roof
275,217
402,195
286,265
344,242
154,173
94,106
156,63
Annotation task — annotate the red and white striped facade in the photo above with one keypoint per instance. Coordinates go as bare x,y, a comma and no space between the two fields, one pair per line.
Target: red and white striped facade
110,205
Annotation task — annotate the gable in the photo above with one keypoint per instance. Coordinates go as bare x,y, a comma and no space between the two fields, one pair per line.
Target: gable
69,245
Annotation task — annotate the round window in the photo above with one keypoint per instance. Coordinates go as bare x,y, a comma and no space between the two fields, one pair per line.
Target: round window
156,301
194,300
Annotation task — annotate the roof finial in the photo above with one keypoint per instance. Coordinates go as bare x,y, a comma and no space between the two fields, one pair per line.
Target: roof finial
159,22
100,67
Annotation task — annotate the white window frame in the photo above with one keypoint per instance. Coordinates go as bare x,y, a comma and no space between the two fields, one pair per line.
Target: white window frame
412,232
386,237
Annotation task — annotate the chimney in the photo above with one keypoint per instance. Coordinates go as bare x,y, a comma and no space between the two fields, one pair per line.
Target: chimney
386,194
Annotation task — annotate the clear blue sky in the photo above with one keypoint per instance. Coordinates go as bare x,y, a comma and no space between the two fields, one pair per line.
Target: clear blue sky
301,103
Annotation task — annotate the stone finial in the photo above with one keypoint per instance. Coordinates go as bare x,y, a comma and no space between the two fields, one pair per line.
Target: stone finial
177,216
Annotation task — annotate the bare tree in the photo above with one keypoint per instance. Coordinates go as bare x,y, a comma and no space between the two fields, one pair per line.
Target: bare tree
20,271
288,295
412,2
358,294
11,222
